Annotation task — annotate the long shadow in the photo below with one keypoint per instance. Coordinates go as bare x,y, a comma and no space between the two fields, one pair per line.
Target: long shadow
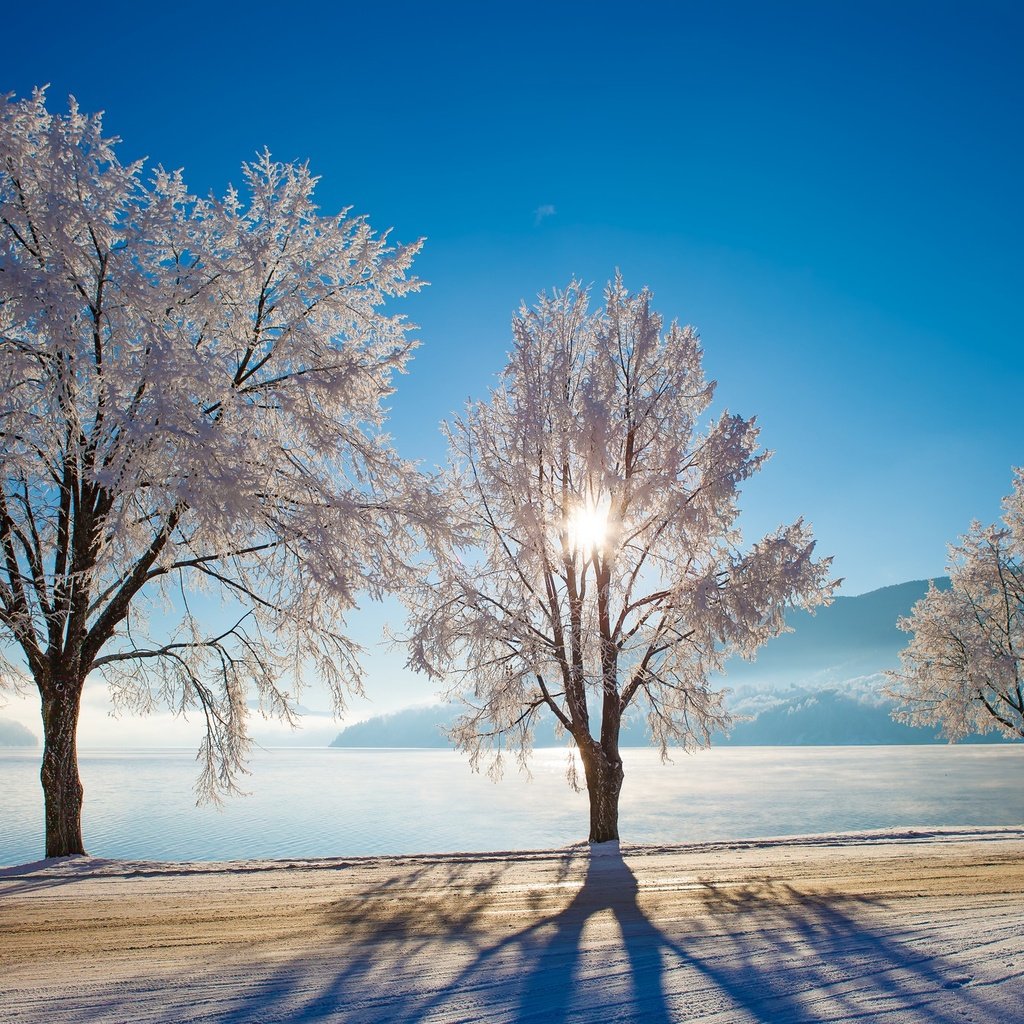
555,987
767,949
386,925
542,962
46,874
764,951
56,871
794,950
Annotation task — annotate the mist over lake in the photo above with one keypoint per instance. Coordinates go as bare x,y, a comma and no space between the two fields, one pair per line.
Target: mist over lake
328,803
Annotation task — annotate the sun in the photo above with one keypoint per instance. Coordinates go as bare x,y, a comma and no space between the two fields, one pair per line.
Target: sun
588,527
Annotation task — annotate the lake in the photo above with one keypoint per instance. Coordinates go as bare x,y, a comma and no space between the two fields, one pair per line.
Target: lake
350,802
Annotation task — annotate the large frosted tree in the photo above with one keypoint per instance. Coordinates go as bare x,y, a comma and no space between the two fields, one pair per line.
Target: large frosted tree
190,401
602,571
963,668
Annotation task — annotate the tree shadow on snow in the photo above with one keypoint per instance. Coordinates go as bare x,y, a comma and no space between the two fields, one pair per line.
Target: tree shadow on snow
19,879
795,956
766,949
775,954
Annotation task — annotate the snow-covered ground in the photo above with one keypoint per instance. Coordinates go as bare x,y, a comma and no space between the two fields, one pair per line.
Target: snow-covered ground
895,926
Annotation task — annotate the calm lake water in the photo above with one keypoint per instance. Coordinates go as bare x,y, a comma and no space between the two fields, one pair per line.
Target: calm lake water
328,803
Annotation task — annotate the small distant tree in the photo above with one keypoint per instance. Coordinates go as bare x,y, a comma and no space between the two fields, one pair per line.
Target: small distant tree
190,400
963,668
603,570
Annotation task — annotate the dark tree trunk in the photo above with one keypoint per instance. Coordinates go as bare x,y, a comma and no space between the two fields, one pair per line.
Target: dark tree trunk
62,787
604,783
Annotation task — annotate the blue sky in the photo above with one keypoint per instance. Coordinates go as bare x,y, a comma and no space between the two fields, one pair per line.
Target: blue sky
830,192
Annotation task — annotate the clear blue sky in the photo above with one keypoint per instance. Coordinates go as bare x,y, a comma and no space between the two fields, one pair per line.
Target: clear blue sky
830,192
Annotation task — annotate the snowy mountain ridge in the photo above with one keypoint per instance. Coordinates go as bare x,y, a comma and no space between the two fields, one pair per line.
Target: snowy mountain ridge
817,685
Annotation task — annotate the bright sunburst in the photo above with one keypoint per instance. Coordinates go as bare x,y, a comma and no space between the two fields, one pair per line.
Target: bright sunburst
588,527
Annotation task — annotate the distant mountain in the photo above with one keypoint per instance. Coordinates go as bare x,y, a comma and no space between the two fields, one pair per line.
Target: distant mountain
829,718
799,718
824,718
852,637
819,684
14,734
410,727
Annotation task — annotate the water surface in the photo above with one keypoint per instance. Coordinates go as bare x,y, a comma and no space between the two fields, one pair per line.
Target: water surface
344,802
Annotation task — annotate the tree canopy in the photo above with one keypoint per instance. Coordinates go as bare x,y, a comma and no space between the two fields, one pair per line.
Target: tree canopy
190,400
604,571
963,668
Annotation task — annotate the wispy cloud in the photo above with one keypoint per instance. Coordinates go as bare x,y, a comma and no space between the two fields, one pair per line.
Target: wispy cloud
547,210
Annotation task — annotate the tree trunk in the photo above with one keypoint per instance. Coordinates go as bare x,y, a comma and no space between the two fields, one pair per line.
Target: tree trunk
604,776
62,787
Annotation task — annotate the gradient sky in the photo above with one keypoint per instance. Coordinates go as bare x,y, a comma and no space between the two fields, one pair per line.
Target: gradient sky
830,192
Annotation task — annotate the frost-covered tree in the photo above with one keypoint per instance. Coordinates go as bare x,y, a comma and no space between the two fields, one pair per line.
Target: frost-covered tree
190,400
603,569
963,668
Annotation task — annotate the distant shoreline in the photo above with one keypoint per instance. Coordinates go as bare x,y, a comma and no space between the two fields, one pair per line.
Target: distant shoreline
72,868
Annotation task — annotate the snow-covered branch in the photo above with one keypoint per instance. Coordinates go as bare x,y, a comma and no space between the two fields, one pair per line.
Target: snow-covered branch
191,395
600,500
963,668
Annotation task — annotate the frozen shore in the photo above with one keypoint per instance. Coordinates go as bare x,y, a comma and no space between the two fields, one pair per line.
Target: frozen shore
896,926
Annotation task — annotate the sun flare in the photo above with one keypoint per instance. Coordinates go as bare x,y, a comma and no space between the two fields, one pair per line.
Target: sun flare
588,528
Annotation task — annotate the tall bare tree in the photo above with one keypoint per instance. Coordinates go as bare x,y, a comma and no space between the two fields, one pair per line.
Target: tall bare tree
963,668
604,570
190,399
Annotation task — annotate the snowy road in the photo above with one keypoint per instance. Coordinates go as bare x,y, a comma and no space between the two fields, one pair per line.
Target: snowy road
923,925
